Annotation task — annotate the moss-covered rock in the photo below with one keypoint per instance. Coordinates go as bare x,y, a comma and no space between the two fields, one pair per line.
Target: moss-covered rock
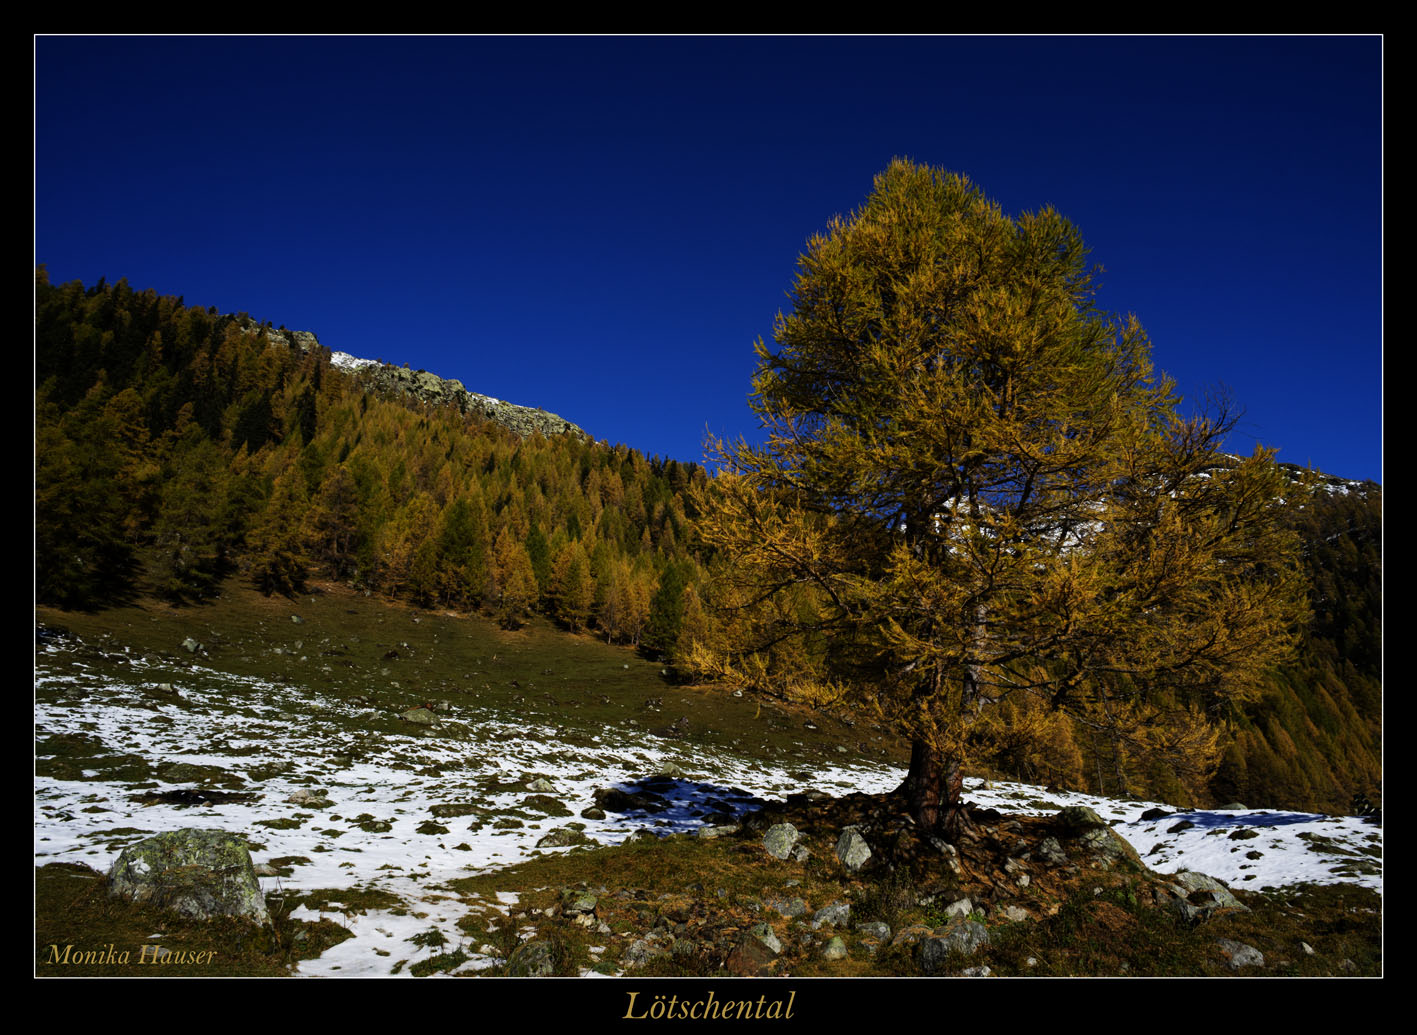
199,873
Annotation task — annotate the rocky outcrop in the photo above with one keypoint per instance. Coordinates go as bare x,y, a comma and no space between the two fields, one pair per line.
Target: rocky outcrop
439,391
198,873
431,389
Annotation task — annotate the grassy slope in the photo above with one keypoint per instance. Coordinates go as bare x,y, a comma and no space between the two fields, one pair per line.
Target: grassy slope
707,890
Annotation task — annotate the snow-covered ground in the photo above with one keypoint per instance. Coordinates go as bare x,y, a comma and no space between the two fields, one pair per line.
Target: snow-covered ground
411,809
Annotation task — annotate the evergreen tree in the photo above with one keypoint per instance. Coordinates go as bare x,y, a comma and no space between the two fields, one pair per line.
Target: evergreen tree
989,494
572,590
516,587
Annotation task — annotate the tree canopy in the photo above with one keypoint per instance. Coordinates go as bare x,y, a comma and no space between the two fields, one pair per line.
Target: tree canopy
974,488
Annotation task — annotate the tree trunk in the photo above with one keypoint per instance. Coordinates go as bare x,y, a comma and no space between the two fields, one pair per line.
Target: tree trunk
934,789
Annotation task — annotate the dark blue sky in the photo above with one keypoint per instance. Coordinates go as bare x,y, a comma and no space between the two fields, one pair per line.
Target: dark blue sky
602,227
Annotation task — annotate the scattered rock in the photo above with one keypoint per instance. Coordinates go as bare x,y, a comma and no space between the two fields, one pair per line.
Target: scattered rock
641,952
541,785
835,915
780,840
1233,806
755,952
318,796
834,949
874,929
852,849
959,909
788,907
564,837
717,830
1151,815
980,971
963,937
578,903
1239,955
1051,852
951,854
545,804
592,813
1092,835
422,716
199,873
531,959
1202,897
191,646
1176,828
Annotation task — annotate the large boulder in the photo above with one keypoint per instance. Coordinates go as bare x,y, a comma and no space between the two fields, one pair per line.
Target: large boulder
198,873
1201,897
1089,834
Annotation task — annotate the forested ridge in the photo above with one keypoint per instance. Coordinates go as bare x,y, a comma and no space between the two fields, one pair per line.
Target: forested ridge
176,447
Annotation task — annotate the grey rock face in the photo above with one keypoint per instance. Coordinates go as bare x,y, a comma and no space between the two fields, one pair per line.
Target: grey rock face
199,873
852,849
438,391
780,839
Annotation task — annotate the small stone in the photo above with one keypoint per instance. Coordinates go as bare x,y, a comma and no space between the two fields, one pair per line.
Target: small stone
959,909
541,785
788,907
1308,949
835,949
874,929
982,971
